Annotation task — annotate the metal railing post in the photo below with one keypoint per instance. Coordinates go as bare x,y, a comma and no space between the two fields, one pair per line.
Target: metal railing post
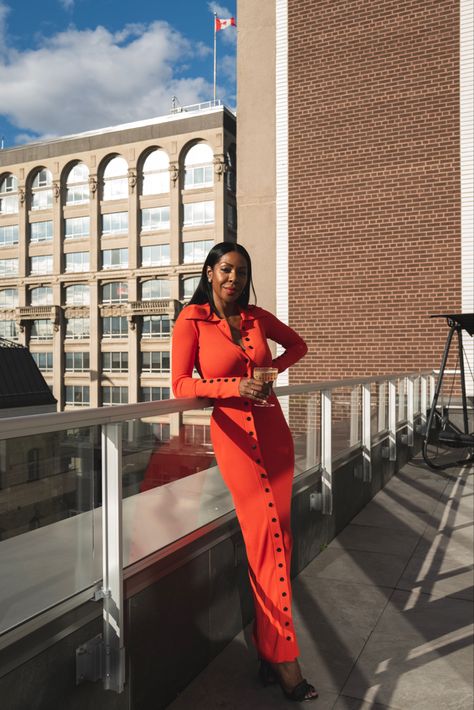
326,451
410,389
382,406
424,400
392,420
312,432
366,434
113,629
354,433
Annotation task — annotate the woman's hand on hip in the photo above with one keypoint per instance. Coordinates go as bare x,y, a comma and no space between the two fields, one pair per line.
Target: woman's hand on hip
252,389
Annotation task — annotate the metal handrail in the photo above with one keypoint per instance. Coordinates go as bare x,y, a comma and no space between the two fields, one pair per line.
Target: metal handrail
85,417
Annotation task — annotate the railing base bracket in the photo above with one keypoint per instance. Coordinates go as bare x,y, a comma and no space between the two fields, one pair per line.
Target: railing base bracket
89,657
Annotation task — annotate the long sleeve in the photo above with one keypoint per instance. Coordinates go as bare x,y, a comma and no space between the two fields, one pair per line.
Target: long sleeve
183,356
295,347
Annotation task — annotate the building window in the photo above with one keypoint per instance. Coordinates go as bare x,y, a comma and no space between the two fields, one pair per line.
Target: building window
156,173
115,362
41,329
198,213
197,434
115,258
196,252
156,327
77,395
114,395
77,328
77,362
9,235
116,179
41,190
9,298
8,267
77,227
8,329
9,195
41,265
156,362
41,296
156,255
114,327
198,166
155,218
44,361
115,223
230,176
76,261
152,394
155,288
77,295
189,287
41,231
116,292
77,185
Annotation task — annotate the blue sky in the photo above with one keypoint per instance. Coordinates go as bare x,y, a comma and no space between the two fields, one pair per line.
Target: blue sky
75,65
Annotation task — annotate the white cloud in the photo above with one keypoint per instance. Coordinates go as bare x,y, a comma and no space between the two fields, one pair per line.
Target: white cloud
229,35
67,4
80,80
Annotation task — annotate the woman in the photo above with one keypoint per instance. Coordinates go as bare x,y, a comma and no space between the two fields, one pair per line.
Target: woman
224,338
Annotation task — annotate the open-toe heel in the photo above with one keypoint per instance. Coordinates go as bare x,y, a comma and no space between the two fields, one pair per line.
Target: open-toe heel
300,692
266,673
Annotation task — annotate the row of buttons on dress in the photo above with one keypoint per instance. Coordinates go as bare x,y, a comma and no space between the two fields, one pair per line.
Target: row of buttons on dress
263,476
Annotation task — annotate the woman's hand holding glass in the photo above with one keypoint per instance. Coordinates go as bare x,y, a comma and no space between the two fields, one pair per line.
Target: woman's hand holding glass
251,389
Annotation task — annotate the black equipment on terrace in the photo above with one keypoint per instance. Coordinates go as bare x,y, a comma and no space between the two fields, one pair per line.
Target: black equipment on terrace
442,432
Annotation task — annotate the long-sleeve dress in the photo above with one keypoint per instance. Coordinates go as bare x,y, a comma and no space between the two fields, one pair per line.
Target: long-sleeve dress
253,448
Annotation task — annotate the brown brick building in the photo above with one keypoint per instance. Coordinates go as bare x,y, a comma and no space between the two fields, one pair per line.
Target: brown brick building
358,184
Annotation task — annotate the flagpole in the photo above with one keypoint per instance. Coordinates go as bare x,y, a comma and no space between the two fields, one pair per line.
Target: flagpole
215,62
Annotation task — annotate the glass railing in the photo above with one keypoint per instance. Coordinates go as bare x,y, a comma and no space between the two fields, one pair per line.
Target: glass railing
90,495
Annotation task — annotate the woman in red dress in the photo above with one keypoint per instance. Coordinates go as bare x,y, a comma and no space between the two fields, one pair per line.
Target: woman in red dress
224,338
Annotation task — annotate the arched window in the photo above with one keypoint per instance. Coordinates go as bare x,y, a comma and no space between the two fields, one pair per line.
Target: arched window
155,288
8,194
115,292
156,174
77,295
198,167
189,286
9,298
116,179
41,190
41,296
77,185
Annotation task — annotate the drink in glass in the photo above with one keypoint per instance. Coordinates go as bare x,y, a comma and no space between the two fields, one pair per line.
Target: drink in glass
267,375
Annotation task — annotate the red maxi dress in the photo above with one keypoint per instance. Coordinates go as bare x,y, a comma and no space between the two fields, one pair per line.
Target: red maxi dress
253,448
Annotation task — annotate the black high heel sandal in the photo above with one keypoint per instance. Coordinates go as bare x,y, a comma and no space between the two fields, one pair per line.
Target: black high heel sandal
269,676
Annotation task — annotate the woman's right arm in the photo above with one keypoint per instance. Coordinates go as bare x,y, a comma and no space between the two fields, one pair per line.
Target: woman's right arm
183,356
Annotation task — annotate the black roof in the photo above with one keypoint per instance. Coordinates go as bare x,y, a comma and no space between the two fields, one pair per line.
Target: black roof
21,382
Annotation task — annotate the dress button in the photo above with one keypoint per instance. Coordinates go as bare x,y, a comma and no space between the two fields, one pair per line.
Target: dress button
280,564
263,475
204,380
247,339
218,379
267,490
250,347
283,594
282,579
234,379
250,433
278,549
211,381
288,638
226,379
285,608
270,505
257,460
254,446
287,623
277,534
249,419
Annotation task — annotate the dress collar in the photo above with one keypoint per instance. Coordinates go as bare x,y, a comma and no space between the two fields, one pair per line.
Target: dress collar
203,312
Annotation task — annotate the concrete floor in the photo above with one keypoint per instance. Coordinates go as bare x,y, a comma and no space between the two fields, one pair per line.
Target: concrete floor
383,615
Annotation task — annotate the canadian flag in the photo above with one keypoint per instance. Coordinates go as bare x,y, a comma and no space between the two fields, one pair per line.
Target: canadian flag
224,24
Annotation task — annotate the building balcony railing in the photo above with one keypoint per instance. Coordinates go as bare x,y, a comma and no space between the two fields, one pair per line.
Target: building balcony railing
85,495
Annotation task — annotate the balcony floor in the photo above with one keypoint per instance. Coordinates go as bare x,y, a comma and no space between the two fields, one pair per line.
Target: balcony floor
383,614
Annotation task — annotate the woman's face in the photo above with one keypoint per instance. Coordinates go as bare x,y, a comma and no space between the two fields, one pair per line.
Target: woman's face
228,277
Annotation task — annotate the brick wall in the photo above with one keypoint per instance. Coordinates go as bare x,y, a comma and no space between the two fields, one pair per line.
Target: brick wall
374,185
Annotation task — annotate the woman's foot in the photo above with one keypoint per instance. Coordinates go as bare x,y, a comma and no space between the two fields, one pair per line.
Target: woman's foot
292,682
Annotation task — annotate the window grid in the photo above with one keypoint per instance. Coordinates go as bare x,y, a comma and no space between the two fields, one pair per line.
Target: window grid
114,327
9,298
115,362
77,227
116,292
8,329
77,295
44,360
41,296
41,231
41,329
114,395
156,255
157,362
77,362
153,394
77,395
198,213
77,328
115,258
198,176
155,289
156,327
41,265
155,218
196,252
76,262
115,223
9,235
